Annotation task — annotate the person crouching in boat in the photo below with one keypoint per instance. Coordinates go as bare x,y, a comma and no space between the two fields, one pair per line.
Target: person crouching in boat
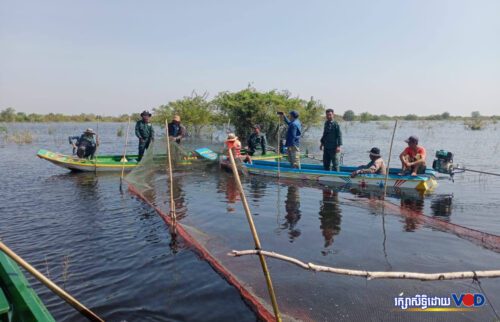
234,144
84,145
375,166
413,158
256,140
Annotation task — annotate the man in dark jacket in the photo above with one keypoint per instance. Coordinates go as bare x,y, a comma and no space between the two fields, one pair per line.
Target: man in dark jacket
257,139
145,132
331,141
176,131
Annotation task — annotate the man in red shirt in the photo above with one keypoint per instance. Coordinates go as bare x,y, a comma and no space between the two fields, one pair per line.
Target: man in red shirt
413,157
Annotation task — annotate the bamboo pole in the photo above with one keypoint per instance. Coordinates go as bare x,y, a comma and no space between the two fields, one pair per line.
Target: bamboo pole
170,174
368,274
279,146
389,159
125,149
255,237
51,285
96,144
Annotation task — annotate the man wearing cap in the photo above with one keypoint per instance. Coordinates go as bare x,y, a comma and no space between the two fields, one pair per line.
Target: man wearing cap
413,157
176,131
375,166
145,132
257,139
85,145
293,137
331,141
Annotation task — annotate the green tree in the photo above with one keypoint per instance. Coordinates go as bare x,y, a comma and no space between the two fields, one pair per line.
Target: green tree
349,115
365,117
411,117
445,116
475,115
249,107
8,115
196,112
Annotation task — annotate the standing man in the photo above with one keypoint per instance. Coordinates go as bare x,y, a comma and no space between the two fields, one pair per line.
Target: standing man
176,131
145,132
257,139
293,137
331,141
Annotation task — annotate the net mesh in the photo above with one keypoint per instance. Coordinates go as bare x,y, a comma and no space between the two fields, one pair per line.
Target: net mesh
201,192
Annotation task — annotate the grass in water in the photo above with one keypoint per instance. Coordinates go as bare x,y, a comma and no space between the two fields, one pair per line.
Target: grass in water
24,137
475,124
120,131
65,272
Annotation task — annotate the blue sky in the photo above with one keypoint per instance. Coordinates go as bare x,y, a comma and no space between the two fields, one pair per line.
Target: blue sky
116,57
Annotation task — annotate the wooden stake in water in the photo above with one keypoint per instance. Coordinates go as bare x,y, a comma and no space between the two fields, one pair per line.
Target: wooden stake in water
124,156
51,285
255,237
170,174
279,145
389,158
96,144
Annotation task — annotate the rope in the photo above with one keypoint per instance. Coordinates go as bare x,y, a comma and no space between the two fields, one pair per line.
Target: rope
279,147
370,274
478,171
255,238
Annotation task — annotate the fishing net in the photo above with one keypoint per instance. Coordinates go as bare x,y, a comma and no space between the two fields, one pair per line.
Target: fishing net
211,220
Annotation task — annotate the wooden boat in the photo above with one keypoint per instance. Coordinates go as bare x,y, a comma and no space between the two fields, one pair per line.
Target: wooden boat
315,172
102,163
18,301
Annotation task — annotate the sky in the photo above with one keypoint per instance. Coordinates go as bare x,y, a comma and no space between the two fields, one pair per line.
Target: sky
383,57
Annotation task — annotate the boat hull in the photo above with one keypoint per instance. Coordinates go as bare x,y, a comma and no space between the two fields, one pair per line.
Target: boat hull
101,164
423,183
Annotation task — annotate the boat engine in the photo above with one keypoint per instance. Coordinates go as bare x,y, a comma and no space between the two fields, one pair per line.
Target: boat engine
443,162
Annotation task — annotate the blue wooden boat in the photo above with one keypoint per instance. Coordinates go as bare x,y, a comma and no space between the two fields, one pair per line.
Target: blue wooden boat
315,173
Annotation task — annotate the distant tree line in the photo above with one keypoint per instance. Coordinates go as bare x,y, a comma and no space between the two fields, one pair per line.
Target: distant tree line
349,115
10,115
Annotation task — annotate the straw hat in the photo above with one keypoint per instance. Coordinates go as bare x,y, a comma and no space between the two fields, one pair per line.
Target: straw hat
176,118
146,112
231,137
89,130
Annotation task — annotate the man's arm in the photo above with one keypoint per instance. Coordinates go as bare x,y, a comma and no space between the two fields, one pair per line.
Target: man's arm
138,131
287,121
263,144
339,136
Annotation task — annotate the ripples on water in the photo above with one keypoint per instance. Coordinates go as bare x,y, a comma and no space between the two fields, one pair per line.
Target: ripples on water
120,262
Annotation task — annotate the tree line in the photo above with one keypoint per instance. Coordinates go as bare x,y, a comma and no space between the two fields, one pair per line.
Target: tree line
240,109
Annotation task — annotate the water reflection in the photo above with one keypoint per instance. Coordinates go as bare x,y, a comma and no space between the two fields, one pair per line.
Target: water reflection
293,213
441,206
227,185
330,216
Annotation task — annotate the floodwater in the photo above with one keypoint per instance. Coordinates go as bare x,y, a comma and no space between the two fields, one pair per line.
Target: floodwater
115,254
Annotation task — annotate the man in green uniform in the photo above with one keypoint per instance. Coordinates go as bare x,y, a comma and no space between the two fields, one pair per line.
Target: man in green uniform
256,140
145,132
331,141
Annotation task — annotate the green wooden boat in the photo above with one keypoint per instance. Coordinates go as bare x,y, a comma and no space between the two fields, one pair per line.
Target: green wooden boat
18,301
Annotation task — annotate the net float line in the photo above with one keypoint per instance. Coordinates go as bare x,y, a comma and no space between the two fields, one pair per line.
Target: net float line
250,299
480,238
369,274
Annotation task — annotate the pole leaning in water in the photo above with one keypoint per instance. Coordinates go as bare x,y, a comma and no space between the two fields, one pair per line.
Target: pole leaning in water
123,160
51,285
256,239
96,144
170,172
389,159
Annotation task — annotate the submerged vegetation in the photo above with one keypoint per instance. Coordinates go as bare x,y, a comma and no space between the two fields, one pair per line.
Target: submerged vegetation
10,115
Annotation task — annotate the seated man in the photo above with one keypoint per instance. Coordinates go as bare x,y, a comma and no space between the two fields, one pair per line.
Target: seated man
375,166
85,145
234,144
256,140
413,158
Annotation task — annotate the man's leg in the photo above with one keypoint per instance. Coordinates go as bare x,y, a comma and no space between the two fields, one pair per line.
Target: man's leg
326,159
335,160
142,147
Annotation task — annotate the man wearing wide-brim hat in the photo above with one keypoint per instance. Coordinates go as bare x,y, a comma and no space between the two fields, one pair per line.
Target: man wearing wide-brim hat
176,131
375,166
85,144
145,132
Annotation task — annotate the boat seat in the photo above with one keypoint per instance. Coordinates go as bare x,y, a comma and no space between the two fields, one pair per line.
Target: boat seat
4,307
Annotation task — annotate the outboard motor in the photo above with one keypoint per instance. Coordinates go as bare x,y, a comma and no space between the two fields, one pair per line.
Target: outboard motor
443,162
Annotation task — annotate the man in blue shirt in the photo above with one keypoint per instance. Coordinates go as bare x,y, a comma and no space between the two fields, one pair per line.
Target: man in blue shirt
293,137
176,131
